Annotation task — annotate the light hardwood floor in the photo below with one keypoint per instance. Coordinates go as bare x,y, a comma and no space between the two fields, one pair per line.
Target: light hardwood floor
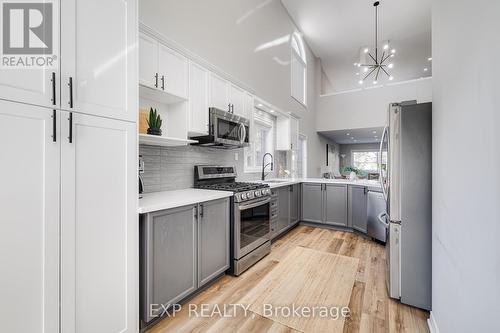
371,308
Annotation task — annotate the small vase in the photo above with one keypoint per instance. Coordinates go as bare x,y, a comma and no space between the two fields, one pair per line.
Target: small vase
154,131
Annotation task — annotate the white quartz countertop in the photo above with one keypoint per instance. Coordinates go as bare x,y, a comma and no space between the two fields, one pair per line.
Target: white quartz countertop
273,183
151,202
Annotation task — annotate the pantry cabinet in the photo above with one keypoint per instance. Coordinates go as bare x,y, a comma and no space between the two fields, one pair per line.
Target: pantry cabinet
98,236
29,202
71,196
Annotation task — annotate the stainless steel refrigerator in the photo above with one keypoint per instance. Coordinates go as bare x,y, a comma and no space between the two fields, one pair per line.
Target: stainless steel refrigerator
406,180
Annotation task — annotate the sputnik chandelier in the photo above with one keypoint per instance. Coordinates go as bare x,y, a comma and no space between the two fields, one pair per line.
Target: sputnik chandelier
375,65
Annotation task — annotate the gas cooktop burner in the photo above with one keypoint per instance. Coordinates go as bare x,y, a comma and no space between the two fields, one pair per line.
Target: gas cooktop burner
234,186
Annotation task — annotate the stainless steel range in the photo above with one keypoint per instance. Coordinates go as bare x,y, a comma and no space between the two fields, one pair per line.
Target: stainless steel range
250,214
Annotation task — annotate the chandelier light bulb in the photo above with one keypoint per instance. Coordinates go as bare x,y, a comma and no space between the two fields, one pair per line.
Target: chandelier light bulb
365,69
386,46
360,81
355,64
390,65
375,82
366,50
357,73
393,51
429,59
391,78
426,69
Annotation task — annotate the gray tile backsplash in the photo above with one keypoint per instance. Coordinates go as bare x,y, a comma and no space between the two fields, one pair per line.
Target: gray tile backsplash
172,168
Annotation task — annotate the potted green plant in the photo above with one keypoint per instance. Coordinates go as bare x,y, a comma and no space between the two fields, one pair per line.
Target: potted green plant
349,170
154,122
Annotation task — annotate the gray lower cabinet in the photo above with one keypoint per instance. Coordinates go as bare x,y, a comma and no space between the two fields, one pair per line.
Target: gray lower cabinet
358,200
169,257
283,208
181,250
213,240
295,203
335,204
312,202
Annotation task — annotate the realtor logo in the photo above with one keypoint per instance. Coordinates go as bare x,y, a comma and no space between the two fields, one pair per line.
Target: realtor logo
27,34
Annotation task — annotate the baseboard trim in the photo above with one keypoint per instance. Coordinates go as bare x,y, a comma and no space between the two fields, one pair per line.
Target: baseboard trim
431,322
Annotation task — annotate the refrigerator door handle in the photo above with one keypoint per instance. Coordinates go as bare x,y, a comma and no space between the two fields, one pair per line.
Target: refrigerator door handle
381,177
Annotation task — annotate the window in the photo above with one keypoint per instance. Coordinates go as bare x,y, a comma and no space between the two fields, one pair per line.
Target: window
299,69
262,142
367,160
301,156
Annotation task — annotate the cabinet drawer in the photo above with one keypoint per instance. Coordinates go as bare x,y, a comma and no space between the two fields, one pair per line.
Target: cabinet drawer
274,216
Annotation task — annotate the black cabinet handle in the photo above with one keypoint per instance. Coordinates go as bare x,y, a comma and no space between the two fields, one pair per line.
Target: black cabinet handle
156,80
229,107
163,82
201,210
53,81
70,85
54,124
70,137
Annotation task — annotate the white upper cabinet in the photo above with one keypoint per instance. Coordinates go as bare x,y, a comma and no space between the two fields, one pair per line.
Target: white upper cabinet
249,106
98,57
29,202
237,100
99,230
148,61
287,130
162,69
172,72
198,99
219,92
32,84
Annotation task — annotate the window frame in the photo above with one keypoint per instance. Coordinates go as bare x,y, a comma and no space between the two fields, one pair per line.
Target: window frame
257,122
379,157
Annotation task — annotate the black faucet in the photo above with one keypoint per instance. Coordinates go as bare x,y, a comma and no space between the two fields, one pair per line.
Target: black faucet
265,165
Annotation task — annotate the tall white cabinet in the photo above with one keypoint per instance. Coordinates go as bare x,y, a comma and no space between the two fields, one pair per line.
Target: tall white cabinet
29,202
69,239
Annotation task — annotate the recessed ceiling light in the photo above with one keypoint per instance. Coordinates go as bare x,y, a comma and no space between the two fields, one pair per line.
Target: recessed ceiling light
375,82
392,55
391,65
357,73
386,46
359,65
391,78
374,132
426,69
260,105
360,81
393,51
272,111
355,64
348,134
429,59
366,50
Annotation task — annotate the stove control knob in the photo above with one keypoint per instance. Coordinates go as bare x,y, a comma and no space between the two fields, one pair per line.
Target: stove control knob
237,198
258,193
244,196
250,195
266,191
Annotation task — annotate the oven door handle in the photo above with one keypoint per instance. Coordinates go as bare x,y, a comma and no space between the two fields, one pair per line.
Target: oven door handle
253,205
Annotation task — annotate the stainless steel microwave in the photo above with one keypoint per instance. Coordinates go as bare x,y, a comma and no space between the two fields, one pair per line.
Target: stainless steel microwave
225,130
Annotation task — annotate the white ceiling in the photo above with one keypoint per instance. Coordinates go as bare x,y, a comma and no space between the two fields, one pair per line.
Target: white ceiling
337,29
354,136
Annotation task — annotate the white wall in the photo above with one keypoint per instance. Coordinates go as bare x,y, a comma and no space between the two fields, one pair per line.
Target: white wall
368,107
466,198
227,33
